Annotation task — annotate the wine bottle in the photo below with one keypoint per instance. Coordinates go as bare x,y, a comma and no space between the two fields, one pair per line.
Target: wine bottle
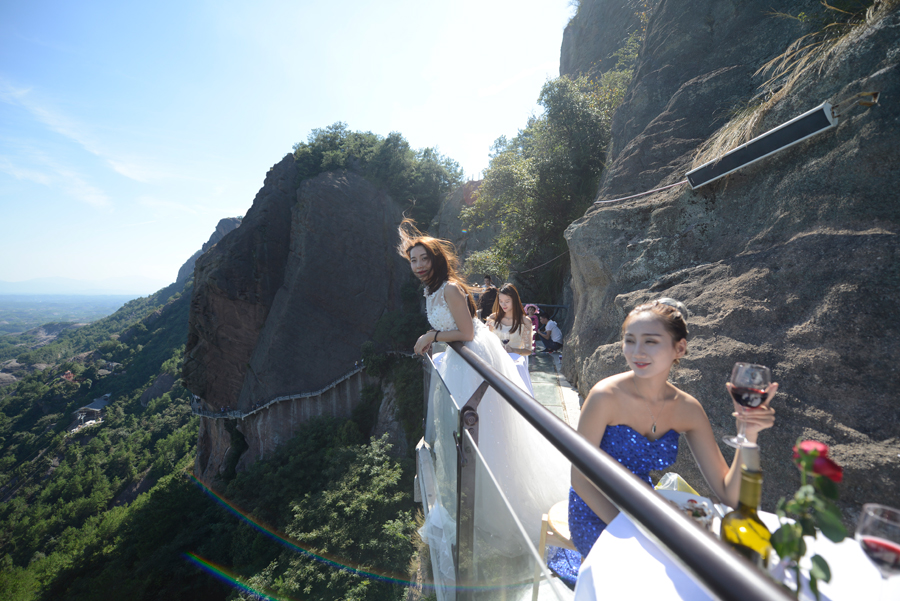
742,528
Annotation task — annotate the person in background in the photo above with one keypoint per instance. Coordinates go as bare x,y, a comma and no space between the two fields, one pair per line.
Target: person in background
488,298
532,312
509,323
550,336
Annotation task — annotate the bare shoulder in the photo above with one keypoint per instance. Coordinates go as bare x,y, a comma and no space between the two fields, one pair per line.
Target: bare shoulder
605,396
689,410
455,294
612,383
454,289
601,408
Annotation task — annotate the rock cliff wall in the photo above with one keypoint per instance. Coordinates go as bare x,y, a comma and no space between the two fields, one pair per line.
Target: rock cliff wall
224,226
595,33
448,225
282,304
793,262
238,443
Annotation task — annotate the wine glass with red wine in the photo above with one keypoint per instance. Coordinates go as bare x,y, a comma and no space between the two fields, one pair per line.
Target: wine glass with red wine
748,389
878,533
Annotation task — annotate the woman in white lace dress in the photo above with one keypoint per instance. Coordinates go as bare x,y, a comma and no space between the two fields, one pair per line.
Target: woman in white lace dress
530,472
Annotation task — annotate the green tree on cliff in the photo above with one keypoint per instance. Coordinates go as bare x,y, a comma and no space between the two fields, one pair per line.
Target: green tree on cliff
546,176
417,179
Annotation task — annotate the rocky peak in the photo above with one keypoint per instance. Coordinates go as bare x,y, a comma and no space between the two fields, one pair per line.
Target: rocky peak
598,29
224,226
283,304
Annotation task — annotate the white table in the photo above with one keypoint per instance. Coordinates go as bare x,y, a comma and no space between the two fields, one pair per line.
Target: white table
625,564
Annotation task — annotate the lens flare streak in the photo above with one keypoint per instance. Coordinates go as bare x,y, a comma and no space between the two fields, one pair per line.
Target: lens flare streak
283,540
226,576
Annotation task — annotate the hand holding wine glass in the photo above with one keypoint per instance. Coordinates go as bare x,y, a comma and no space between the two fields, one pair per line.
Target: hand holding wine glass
751,389
878,533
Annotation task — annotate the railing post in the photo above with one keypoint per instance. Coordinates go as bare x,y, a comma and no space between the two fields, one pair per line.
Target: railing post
466,460
426,383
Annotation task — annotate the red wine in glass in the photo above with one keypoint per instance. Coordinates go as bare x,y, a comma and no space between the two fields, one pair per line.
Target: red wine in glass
878,533
748,389
883,553
748,397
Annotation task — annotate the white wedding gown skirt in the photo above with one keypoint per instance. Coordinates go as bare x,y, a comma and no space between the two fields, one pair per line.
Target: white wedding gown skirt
521,363
530,472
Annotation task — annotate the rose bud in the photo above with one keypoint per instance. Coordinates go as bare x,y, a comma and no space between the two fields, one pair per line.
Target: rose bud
824,466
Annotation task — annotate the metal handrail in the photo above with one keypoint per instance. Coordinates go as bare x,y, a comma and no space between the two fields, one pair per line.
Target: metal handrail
714,565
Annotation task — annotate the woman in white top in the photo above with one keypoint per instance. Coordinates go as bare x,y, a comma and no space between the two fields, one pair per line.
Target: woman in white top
510,324
529,471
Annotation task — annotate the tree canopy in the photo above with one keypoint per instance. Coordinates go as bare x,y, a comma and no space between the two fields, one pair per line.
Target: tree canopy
546,176
417,179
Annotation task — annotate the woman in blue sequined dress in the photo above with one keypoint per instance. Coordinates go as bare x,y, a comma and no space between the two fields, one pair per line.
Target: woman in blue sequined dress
637,418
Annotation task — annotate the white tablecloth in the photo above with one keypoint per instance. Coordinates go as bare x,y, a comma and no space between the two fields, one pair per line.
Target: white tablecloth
625,564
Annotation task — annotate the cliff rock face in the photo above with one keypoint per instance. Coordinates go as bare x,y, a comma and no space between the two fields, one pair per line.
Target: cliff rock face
282,305
793,262
223,227
595,33
448,225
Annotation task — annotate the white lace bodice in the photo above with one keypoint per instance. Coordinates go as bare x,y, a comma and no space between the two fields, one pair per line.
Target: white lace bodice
439,315
517,340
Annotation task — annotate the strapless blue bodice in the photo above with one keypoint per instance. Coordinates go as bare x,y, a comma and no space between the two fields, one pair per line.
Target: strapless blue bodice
637,453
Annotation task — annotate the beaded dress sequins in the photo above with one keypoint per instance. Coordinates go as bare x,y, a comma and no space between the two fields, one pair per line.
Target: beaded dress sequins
637,453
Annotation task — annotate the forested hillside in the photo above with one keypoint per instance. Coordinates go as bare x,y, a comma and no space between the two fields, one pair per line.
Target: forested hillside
111,510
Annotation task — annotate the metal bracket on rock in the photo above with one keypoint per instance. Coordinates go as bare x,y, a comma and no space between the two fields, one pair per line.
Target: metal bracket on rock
840,108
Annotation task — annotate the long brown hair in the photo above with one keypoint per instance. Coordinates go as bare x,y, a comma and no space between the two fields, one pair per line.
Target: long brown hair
441,253
518,312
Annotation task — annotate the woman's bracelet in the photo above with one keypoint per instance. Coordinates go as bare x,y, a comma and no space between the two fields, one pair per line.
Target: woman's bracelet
435,337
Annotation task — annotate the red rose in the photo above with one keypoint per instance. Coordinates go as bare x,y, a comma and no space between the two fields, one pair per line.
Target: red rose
824,466
810,446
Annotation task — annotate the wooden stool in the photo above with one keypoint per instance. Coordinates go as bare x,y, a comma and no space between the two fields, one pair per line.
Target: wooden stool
554,531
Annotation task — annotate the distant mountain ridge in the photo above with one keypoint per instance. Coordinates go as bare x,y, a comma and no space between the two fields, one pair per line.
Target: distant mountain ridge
124,285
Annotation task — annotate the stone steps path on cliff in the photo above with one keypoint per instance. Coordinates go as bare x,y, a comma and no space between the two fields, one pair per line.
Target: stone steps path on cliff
552,389
550,386
197,409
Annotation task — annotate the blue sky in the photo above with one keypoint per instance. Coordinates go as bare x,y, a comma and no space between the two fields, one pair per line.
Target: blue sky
127,130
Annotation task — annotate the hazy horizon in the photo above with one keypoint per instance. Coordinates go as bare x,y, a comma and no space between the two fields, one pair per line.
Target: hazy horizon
59,286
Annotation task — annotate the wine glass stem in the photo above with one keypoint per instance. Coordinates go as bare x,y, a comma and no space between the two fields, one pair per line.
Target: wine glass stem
742,428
